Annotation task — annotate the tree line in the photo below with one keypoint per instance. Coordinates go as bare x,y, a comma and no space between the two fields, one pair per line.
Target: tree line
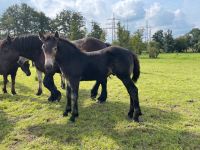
161,41
23,19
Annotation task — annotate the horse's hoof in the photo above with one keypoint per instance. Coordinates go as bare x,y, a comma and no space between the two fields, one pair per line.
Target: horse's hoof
93,95
102,99
50,99
4,91
101,102
136,119
130,115
39,92
65,114
13,93
72,119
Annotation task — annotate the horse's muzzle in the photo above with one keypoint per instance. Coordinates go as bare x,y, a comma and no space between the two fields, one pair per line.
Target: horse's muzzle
49,68
28,73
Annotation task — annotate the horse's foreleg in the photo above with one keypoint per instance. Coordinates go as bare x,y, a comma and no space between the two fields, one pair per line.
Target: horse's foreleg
13,83
103,96
68,104
94,90
133,92
5,81
39,74
74,84
49,84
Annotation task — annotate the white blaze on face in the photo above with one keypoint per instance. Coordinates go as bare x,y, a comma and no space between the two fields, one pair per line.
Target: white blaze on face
50,56
49,59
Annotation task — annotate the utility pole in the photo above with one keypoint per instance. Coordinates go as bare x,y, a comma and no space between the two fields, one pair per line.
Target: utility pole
112,26
148,32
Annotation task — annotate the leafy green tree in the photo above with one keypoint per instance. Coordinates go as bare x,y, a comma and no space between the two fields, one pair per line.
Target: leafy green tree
168,42
22,19
41,22
181,44
159,38
97,32
123,36
77,26
9,20
136,43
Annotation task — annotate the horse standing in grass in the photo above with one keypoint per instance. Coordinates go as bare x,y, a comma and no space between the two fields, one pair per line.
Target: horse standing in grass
87,44
9,65
30,47
78,66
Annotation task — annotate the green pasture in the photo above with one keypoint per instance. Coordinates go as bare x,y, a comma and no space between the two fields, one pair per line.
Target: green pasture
169,92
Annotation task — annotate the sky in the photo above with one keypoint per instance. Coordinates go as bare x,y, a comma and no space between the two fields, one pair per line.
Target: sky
178,15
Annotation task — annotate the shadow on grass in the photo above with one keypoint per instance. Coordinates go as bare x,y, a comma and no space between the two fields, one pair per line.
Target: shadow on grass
109,120
6,126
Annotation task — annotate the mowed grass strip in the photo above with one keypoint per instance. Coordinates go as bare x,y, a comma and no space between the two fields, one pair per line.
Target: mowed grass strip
169,91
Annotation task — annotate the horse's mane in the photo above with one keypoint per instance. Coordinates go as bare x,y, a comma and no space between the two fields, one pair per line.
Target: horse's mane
48,37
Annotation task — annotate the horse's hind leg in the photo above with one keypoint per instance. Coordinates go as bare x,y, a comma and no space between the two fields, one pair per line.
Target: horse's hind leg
102,98
68,105
94,90
5,81
13,83
39,73
133,92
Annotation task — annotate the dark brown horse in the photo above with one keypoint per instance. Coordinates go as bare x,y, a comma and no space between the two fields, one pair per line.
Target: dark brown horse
30,47
9,65
77,65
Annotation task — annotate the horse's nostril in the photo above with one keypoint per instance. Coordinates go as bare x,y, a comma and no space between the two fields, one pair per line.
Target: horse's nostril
49,67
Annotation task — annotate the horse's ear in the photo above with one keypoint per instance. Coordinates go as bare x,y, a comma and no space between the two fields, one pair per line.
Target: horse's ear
56,34
41,36
9,38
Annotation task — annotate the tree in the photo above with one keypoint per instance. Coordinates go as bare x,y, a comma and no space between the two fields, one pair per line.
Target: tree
41,22
123,36
77,26
9,19
97,32
181,44
136,43
159,38
168,42
22,19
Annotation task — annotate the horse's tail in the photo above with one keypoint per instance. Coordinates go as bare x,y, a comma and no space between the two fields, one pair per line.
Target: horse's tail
136,68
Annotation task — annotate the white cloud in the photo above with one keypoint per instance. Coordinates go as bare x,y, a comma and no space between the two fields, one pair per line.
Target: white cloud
153,10
129,9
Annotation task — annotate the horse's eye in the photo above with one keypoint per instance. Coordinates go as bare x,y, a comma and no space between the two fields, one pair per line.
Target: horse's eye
43,46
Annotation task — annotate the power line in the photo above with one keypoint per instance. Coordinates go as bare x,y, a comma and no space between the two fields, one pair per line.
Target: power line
112,26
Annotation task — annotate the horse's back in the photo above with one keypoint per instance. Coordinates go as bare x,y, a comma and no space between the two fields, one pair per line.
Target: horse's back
90,44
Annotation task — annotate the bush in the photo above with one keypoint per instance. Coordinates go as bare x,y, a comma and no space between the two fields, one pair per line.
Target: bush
153,49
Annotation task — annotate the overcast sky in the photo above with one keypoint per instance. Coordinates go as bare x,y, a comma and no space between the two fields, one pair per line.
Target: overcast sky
178,15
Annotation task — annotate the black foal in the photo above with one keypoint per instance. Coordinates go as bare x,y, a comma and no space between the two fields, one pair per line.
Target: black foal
77,66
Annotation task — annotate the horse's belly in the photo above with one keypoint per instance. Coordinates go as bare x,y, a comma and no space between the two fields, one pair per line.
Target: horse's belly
91,73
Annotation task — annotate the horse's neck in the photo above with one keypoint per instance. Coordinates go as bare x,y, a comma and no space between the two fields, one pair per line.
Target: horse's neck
27,50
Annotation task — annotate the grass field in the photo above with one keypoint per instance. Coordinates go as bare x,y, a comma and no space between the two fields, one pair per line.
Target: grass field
169,91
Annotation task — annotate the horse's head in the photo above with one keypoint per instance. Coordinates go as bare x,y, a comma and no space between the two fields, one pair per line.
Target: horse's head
25,66
6,44
50,49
